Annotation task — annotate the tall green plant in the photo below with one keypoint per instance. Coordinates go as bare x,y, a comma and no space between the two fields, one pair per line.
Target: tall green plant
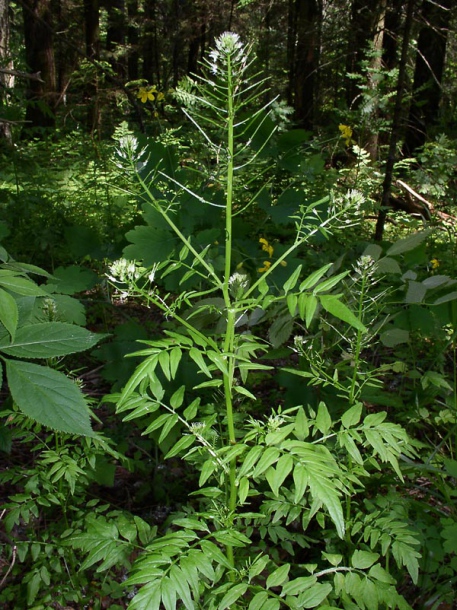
266,526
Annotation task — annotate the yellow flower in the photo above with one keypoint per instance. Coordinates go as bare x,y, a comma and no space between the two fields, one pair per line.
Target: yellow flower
346,133
266,266
266,247
146,93
434,263
160,97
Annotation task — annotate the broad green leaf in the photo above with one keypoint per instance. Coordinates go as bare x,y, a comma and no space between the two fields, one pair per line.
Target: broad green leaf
182,587
213,552
22,286
244,392
278,577
293,279
258,601
277,476
250,460
314,596
415,293
300,476
363,559
334,306
197,357
184,443
175,359
48,397
323,420
323,489
387,265
310,309
148,597
168,592
292,301
312,279
379,573
352,416
169,425
232,595
269,457
177,397
258,567
408,243
158,422
243,490
329,283
9,314
49,340
149,245
301,430
298,585
164,361
450,296
232,537
394,337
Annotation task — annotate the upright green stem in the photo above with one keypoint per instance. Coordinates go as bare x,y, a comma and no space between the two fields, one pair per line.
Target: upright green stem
229,341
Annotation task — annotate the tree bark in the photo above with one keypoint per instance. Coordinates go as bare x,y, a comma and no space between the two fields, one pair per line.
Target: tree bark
304,59
6,62
428,73
92,35
396,124
39,55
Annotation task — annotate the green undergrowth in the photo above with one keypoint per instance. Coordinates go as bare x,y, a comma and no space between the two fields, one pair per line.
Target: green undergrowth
283,393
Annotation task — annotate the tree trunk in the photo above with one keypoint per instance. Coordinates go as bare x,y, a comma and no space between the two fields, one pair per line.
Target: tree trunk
396,124
92,32
6,62
133,40
39,55
115,37
428,73
150,45
304,57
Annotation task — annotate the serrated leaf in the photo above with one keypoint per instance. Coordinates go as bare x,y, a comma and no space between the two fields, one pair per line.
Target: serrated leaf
250,459
22,286
48,397
277,476
315,595
9,314
300,476
334,306
269,457
394,337
148,597
408,243
363,560
168,593
352,416
49,340
232,595
278,577
323,420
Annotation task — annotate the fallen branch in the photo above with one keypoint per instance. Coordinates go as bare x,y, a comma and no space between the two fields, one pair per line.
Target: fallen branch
19,74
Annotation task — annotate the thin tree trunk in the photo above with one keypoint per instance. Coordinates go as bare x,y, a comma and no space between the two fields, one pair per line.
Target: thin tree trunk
6,62
39,55
92,31
431,52
396,124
